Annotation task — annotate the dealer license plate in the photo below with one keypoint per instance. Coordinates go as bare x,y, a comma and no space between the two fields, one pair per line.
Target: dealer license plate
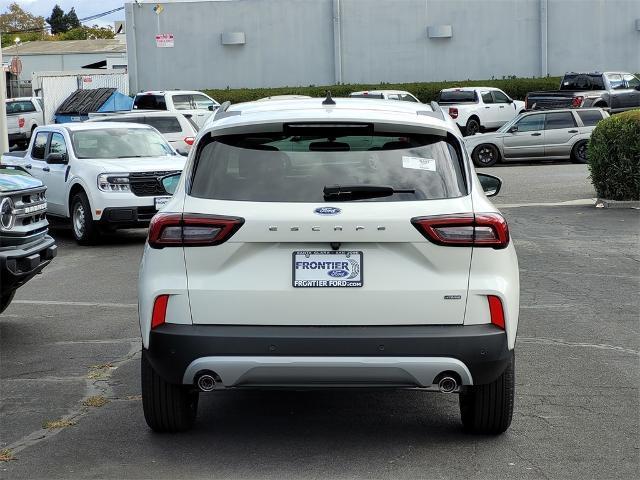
161,202
313,269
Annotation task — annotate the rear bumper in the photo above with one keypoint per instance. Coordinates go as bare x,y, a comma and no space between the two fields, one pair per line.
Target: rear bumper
383,355
18,265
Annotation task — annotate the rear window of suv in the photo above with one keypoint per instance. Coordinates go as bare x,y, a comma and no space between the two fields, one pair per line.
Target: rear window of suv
277,167
147,101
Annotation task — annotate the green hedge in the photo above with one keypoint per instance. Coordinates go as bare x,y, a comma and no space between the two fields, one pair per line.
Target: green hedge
614,157
515,87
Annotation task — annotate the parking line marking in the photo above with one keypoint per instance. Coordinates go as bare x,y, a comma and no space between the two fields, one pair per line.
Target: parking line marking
582,201
76,304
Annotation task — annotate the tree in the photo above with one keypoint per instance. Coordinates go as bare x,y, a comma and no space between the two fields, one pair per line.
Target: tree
86,33
71,19
15,19
57,21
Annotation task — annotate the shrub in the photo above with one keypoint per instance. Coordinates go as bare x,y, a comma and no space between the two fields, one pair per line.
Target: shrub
614,157
515,87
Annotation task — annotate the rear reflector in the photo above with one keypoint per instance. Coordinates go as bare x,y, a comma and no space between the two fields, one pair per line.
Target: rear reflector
465,230
453,112
159,311
177,230
496,310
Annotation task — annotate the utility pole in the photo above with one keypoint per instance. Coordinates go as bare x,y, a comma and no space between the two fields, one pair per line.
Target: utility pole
4,136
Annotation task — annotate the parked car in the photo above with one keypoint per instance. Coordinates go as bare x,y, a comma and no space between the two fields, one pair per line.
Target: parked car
101,176
24,114
478,109
369,258
550,135
197,104
282,97
614,91
385,95
25,246
177,128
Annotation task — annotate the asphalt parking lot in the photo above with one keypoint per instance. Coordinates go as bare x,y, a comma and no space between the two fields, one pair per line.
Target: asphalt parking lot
69,351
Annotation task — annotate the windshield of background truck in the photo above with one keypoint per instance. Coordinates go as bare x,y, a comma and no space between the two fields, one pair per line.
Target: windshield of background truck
276,167
119,143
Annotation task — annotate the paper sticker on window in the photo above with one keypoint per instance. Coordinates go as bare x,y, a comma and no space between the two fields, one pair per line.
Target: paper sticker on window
417,163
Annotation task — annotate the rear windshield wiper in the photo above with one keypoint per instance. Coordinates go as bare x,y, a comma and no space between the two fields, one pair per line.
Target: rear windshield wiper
360,192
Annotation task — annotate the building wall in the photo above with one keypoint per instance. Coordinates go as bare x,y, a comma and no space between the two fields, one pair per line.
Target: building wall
294,42
57,62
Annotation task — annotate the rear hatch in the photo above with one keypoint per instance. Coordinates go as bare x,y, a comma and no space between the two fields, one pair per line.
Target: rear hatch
309,255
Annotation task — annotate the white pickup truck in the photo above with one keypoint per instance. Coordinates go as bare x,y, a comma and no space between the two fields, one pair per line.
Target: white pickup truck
189,102
24,114
101,176
478,109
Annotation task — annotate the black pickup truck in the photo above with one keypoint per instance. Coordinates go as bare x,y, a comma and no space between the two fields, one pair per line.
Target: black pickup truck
613,91
25,246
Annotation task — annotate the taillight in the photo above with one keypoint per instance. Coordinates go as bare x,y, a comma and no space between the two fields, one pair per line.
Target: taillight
189,140
453,112
159,314
496,311
465,230
577,102
20,122
176,230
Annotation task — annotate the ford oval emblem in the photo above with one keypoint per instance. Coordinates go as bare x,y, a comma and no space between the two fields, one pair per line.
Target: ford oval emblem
337,273
327,211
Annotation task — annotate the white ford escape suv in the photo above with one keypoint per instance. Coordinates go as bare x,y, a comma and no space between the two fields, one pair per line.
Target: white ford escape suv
335,243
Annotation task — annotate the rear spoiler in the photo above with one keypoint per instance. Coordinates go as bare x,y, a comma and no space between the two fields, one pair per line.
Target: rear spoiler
435,113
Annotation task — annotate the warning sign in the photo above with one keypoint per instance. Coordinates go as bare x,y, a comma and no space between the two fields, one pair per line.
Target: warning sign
164,40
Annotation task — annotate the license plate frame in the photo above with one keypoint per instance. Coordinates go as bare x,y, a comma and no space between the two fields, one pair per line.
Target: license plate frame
352,278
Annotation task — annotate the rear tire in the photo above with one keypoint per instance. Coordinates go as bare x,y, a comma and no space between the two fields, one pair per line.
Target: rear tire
485,155
488,409
85,230
579,152
167,407
472,127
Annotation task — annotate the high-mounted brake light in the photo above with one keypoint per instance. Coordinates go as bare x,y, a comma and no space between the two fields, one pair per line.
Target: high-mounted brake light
159,314
465,230
189,140
453,112
177,230
496,311
577,102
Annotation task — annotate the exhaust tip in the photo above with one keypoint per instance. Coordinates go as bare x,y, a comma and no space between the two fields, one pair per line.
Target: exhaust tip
447,384
206,382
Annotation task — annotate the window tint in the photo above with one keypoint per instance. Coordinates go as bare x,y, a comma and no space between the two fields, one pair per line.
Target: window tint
393,96
164,124
500,97
20,106
276,167
377,96
581,81
182,102
408,98
531,123
486,97
149,102
616,82
202,102
559,120
632,82
57,144
39,145
457,96
589,117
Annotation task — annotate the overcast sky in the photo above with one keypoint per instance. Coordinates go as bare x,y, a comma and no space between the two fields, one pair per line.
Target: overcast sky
84,8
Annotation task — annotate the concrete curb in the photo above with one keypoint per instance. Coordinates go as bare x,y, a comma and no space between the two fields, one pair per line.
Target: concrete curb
604,203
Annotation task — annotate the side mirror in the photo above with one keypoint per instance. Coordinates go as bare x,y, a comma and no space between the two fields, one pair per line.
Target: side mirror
638,87
182,152
513,129
211,108
56,158
510,100
490,184
170,182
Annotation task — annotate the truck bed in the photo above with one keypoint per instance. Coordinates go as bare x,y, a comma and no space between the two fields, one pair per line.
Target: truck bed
15,153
